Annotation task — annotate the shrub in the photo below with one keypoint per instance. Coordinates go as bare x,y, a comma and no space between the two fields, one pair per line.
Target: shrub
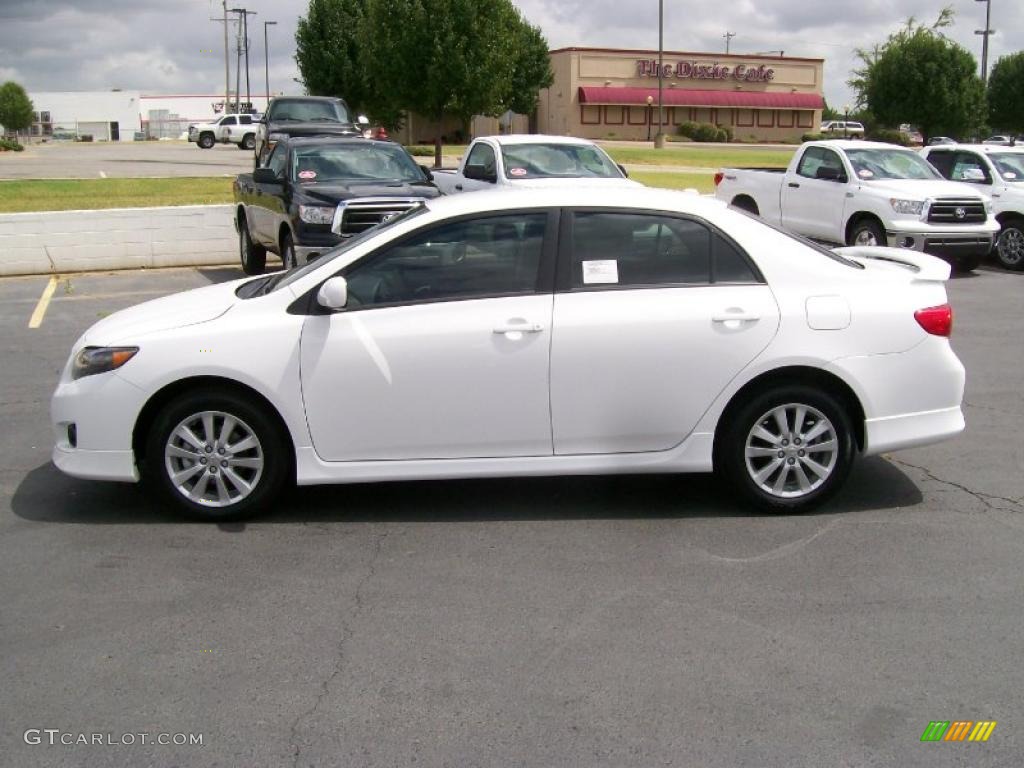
812,137
7,145
890,136
418,150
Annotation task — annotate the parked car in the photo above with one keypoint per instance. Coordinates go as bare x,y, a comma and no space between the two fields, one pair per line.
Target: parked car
304,116
867,193
239,130
846,128
520,161
1002,141
999,172
938,140
315,192
503,334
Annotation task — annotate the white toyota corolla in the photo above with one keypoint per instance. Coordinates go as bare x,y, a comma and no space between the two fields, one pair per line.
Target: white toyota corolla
508,334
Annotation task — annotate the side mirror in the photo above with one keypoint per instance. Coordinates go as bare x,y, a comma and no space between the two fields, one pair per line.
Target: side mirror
427,173
265,176
623,169
362,120
333,294
479,172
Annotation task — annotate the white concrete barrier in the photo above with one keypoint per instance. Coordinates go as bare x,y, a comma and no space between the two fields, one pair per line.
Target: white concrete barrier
117,238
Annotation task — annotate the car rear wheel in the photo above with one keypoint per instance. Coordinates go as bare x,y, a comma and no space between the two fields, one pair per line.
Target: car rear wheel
248,142
215,456
867,232
206,141
787,450
1010,245
253,255
966,264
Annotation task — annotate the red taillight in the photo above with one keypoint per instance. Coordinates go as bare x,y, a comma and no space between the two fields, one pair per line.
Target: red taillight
718,178
938,321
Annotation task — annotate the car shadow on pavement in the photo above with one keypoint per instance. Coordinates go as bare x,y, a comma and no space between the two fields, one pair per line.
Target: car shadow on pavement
46,495
220,274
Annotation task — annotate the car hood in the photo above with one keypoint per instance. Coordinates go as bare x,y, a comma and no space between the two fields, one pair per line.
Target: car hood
923,188
318,128
328,192
575,183
200,305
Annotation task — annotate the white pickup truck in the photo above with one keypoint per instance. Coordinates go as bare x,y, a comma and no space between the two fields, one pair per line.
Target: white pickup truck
518,161
867,193
996,171
239,130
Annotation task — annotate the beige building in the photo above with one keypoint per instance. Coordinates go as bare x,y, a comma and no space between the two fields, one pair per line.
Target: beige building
606,93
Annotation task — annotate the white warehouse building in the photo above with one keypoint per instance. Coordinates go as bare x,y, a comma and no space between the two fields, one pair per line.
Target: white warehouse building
104,115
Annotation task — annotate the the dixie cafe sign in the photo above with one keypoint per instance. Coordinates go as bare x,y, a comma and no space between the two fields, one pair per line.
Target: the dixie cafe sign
696,71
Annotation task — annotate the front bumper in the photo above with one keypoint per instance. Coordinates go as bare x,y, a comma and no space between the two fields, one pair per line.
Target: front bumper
945,245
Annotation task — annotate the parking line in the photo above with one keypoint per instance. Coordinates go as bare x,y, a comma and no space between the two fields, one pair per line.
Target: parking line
44,301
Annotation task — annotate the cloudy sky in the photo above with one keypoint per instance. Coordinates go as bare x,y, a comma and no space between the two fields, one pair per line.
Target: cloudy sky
171,46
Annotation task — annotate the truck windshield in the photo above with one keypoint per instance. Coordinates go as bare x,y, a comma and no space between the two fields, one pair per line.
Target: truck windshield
1010,165
353,163
308,111
559,161
874,164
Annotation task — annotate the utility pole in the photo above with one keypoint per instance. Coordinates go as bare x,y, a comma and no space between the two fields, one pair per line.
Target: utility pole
266,59
984,41
728,38
227,66
243,40
659,139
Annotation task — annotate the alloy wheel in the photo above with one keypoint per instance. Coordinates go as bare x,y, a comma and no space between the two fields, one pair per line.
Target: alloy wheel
791,450
1011,247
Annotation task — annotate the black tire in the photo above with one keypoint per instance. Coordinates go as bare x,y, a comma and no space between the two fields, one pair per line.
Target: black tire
218,470
248,142
206,141
965,264
867,230
1009,250
746,204
287,251
253,255
788,496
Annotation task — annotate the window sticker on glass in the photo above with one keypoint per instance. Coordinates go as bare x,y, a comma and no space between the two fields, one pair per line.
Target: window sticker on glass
600,271
516,171
307,175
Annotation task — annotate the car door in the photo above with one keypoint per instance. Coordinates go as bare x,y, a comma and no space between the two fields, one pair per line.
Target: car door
443,349
225,127
654,316
814,197
266,206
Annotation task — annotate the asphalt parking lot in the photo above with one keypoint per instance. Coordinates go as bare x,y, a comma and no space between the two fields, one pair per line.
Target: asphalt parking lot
546,622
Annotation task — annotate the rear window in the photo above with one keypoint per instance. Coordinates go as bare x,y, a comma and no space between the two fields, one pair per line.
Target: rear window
308,111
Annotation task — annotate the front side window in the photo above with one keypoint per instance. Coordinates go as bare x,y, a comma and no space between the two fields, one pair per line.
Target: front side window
229,121
563,161
474,258
277,160
970,168
817,158
637,249
943,162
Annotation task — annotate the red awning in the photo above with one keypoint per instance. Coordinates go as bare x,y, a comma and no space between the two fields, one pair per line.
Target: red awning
692,97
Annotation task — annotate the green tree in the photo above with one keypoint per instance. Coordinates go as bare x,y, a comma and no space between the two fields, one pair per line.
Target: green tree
1006,93
919,76
453,58
15,107
329,51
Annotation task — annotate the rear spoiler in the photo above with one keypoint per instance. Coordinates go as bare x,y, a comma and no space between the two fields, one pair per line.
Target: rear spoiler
926,268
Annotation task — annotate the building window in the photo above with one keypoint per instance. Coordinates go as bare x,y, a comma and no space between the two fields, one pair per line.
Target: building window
786,118
44,117
723,117
744,118
805,119
638,115
765,118
590,114
702,115
614,115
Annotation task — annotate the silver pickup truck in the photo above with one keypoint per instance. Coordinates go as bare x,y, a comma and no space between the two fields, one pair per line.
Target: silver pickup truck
519,161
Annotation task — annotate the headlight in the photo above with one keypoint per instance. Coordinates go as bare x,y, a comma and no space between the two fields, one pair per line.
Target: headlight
909,207
316,214
93,360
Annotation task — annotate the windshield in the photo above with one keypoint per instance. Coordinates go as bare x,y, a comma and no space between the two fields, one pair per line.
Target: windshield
875,164
281,279
308,111
560,161
353,162
1010,165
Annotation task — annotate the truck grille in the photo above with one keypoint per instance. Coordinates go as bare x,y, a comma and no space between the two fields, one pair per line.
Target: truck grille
953,210
355,216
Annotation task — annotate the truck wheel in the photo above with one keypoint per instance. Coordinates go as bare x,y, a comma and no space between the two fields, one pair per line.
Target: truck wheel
206,141
966,264
866,232
747,204
248,142
787,450
1010,245
254,256
287,251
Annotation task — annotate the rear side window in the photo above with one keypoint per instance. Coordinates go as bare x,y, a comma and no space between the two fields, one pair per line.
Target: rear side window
245,119
626,249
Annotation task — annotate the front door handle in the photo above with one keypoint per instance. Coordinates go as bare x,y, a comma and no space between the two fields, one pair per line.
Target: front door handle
458,187
794,185
519,328
737,318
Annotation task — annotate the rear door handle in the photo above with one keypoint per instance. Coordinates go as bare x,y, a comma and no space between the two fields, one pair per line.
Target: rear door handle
737,318
523,327
458,187
794,185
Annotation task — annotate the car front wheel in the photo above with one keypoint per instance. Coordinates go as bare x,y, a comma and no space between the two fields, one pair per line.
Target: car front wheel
1010,245
206,141
254,257
787,450
867,232
215,456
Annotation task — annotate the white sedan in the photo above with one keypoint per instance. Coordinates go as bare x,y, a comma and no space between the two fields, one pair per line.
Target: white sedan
510,334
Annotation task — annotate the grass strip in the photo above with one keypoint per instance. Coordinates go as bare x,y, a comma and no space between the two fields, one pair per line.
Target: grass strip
702,182
21,196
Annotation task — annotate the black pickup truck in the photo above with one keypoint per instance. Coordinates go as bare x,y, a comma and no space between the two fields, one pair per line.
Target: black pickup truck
289,116
314,192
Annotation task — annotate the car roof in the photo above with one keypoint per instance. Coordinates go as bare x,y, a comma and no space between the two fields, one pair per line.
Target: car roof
987,148
859,144
639,198
536,138
305,98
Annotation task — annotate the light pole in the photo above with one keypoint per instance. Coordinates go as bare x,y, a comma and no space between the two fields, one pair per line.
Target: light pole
266,59
659,138
650,101
984,39
846,121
